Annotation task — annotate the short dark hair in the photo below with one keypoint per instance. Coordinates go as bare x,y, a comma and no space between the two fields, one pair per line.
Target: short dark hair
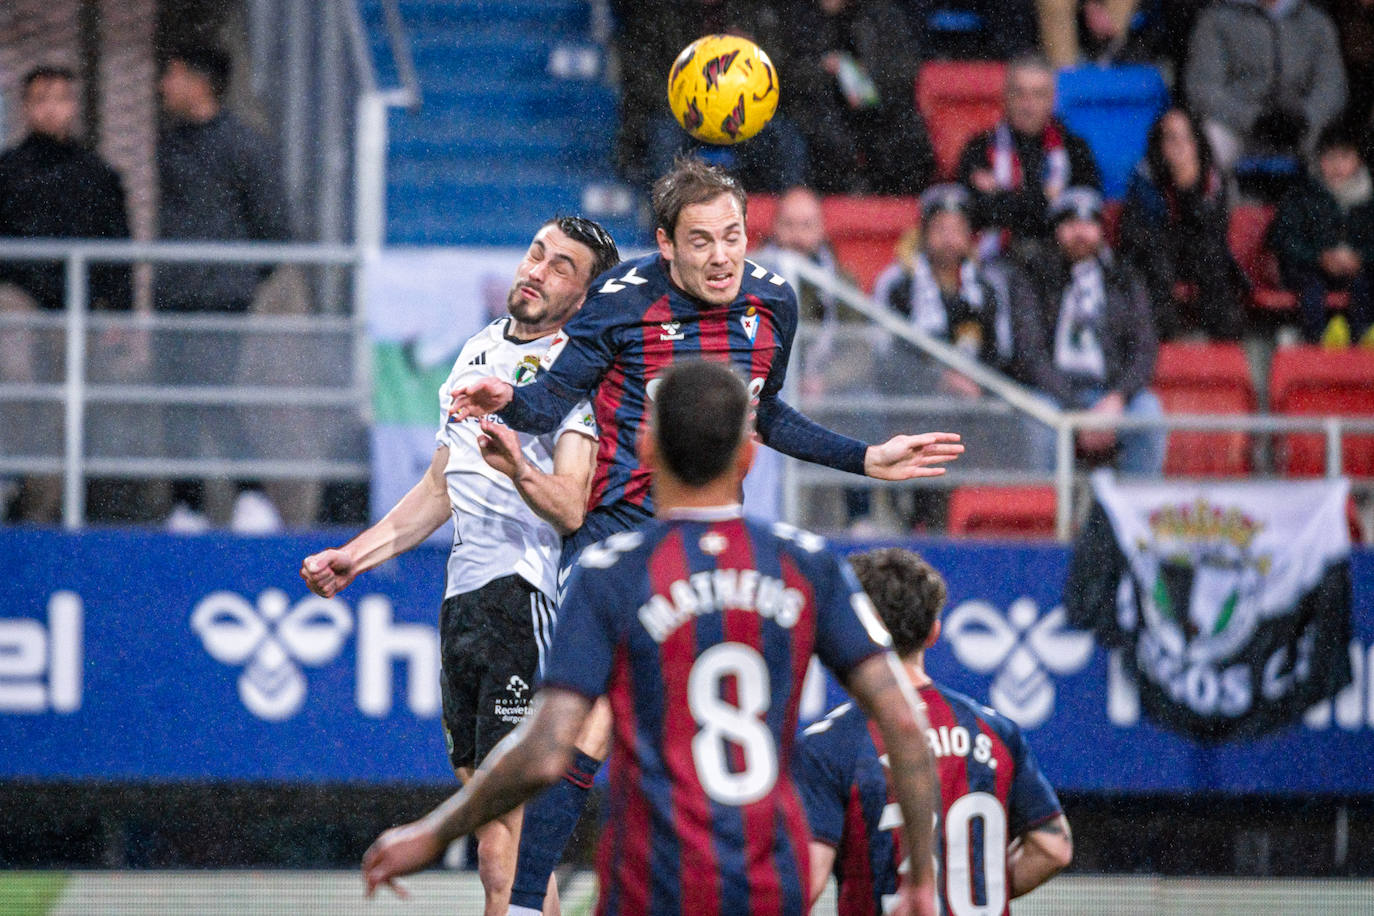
692,181
209,61
605,254
1338,135
46,72
700,414
907,591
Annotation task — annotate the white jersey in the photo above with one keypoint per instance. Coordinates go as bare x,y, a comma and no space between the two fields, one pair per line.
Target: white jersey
495,533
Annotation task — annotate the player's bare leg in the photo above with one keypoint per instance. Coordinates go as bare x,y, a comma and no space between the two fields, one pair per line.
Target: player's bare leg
498,842
595,737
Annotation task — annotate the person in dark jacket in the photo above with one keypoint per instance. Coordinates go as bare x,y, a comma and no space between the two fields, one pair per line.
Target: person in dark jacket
216,182
52,186
849,84
1085,337
1021,166
1174,226
1323,238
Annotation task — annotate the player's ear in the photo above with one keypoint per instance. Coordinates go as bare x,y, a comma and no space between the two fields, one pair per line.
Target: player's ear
665,243
934,636
645,447
744,457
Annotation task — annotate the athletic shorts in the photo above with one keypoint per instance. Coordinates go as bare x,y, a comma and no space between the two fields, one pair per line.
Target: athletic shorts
492,643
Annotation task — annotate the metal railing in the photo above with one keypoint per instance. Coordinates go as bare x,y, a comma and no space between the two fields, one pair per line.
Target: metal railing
76,392
1065,423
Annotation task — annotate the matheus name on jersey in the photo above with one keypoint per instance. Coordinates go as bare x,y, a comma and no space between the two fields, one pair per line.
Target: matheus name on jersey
494,532
699,630
991,791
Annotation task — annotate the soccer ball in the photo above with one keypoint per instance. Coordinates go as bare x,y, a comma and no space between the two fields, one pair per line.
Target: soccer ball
723,89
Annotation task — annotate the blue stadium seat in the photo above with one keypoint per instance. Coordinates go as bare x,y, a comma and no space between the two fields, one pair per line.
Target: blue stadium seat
1112,108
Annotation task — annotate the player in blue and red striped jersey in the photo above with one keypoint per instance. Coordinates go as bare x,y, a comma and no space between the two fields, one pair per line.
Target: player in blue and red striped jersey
697,297
698,626
1001,832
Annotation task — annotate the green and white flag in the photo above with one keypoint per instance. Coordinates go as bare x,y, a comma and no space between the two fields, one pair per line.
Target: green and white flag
1231,600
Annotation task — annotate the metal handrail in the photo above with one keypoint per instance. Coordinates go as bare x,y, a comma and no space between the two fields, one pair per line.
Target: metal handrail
1064,422
407,95
109,252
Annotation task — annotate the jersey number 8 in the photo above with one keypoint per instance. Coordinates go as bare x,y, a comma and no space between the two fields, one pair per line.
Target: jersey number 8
739,724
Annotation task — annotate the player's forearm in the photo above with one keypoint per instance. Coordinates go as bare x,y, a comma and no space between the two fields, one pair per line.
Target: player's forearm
418,515
1040,855
787,430
538,408
560,501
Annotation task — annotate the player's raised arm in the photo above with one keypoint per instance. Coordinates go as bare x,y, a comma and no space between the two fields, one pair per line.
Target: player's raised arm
559,498
887,698
418,515
531,758
1039,854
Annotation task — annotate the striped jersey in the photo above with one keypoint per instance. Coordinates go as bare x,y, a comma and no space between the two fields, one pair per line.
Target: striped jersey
699,629
495,533
992,791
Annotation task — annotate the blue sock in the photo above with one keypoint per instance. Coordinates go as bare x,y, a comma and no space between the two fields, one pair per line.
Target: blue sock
549,821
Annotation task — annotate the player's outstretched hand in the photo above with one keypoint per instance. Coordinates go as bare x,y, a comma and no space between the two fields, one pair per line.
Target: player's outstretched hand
400,851
500,448
905,457
482,397
328,572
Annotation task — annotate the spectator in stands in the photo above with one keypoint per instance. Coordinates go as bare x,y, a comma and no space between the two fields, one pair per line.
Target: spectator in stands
799,226
1323,237
1068,28
1174,233
1085,338
216,181
1354,21
649,37
1005,28
1021,166
1265,77
51,186
942,290
850,86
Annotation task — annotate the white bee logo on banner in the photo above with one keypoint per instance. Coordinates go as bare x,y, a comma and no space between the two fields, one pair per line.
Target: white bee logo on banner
1020,647
275,639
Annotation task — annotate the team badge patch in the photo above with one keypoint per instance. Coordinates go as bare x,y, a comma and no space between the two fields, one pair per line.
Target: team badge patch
526,371
712,543
750,321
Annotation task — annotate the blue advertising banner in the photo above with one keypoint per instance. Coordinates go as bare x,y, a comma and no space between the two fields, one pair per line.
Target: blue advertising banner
134,656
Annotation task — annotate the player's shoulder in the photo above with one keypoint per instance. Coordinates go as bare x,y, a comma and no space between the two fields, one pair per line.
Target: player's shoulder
837,725
624,549
1005,729
766,284
792,540
622,292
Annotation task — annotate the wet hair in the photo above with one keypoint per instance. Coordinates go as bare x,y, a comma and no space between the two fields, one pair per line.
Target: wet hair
605,254
1154,148
907,591
209,61
46,72
701,411
691,181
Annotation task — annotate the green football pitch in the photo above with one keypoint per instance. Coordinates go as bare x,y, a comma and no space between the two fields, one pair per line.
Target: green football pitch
306,893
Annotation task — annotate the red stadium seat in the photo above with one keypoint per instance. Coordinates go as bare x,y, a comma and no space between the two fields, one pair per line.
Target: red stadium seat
958,99
1314,380
1205,378
863,231
1002,512
1249,223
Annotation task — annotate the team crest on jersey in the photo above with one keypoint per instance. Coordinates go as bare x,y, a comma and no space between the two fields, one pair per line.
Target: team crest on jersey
712,543
750,321
672,330
525,372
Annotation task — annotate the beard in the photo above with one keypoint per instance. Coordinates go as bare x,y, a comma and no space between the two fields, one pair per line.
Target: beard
526,311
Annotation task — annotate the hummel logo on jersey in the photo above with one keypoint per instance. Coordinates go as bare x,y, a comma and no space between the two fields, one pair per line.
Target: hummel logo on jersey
672,330
632,278
517,686
479,360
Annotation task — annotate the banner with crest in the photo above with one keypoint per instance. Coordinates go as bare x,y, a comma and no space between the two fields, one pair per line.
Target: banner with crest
1231,601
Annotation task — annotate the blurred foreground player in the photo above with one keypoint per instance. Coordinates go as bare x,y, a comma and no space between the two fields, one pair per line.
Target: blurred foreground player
1001,832
696,297
698,626
499,605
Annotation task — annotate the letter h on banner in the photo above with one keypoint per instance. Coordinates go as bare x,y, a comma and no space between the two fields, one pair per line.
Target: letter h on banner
382,641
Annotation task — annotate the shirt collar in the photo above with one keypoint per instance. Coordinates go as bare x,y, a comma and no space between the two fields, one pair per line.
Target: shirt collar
705,513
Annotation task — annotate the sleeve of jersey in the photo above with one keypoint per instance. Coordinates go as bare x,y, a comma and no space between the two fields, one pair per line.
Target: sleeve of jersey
584,641
574,374
848,629
1032,800
823,791
580,420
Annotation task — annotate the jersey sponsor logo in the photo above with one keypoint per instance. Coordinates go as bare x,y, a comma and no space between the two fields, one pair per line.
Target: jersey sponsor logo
274,639
713,591
479,360
525,371
511,711
517,686
672,330
631,277
1023,648
40,666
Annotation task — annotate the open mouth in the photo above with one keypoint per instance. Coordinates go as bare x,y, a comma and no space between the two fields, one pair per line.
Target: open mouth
720,279
529,292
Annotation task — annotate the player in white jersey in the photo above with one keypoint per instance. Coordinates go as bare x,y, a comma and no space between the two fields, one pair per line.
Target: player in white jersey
499,598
